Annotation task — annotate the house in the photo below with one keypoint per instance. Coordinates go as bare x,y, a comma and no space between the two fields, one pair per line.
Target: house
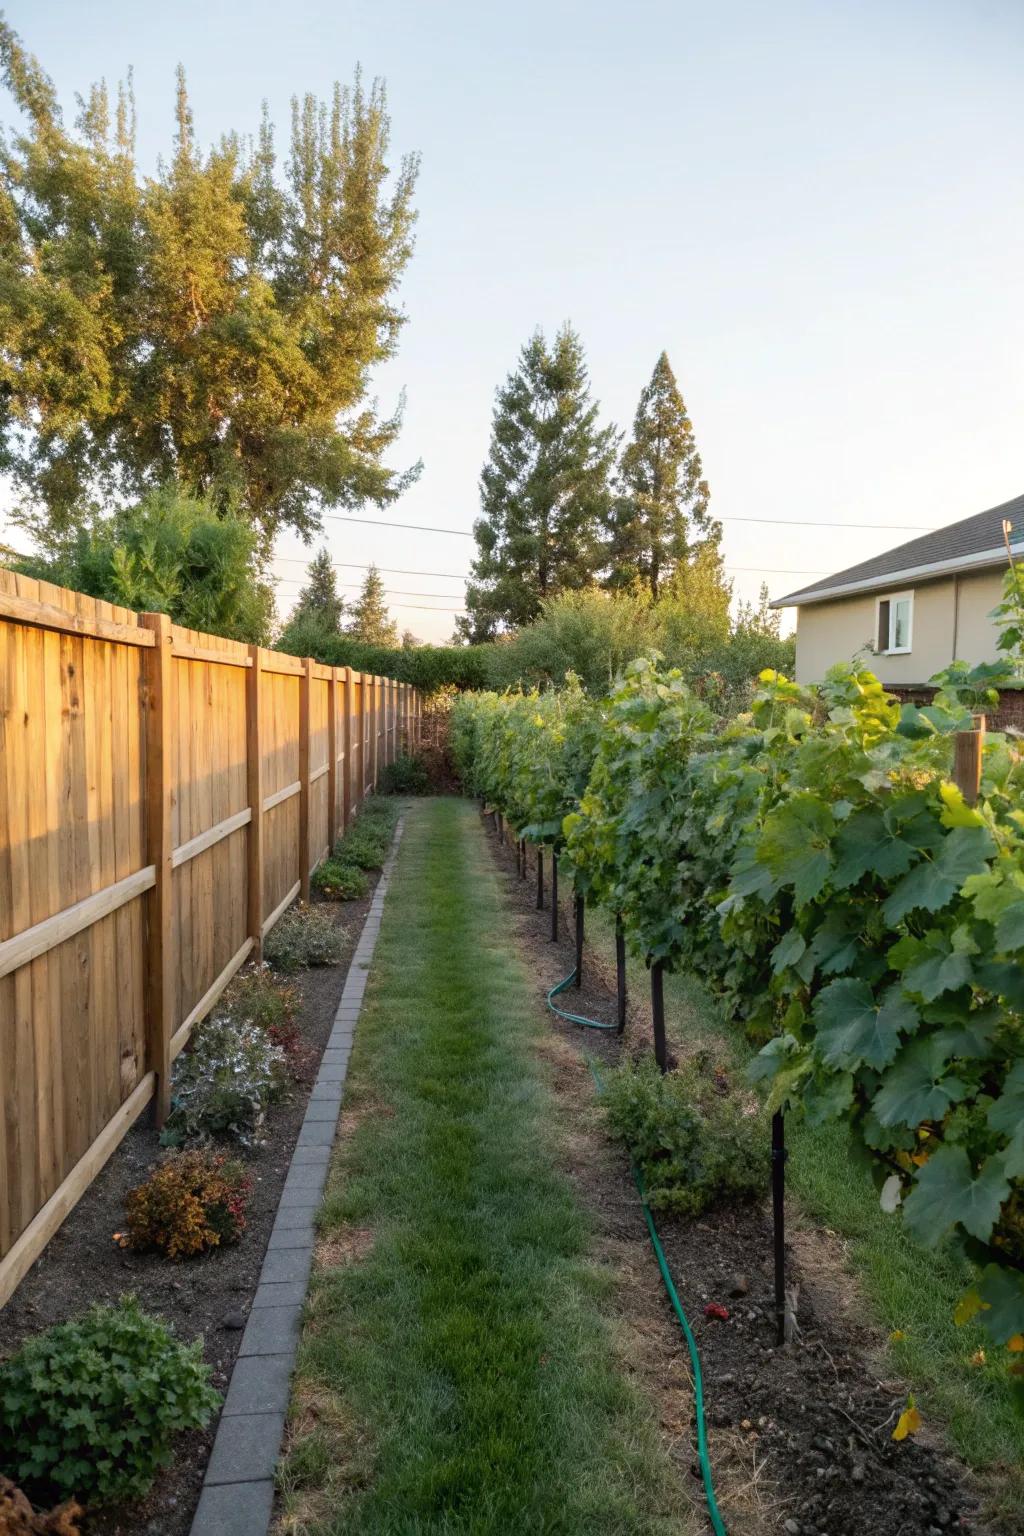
913,609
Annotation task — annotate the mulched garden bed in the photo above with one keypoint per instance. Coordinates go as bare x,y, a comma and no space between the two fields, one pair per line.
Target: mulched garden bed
800,1438
206,1296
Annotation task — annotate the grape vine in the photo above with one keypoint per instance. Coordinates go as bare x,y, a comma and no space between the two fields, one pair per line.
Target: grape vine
814,862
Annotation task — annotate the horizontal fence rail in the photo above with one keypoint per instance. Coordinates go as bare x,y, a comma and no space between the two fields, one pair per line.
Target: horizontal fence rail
164,796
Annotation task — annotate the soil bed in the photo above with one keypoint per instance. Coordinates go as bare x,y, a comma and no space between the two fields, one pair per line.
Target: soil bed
208,1296
800,1438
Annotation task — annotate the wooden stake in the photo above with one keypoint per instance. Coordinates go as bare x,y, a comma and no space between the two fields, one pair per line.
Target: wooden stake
968,748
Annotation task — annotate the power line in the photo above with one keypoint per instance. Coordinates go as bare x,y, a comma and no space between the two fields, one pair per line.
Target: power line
354,565
768,522
388,591
793,522
394,570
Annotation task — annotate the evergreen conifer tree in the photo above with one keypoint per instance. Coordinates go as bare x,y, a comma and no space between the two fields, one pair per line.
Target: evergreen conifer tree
544,489
659,519
318,612
371,621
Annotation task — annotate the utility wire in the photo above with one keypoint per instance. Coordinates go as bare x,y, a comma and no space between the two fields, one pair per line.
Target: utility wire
768,522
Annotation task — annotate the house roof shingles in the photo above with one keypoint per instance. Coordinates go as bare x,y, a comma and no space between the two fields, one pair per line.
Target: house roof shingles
971,537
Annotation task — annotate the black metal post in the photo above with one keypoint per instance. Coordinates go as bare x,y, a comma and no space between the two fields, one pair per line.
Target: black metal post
540,878
501,830
658,1014
522,858
580,910
620,973
554,897
779,1155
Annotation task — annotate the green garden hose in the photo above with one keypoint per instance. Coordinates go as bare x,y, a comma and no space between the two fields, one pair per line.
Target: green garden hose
717,1523
573,1018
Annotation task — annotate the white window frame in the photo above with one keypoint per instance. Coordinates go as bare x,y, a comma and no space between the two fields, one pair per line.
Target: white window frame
892,598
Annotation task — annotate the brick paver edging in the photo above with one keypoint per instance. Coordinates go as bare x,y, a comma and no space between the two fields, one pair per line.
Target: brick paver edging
238,1490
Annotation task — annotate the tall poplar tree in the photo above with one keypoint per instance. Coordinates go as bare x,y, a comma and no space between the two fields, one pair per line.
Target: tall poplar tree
216,324
659,519
371,621
544,489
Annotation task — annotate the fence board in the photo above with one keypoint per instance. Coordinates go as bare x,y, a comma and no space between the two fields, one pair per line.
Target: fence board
91,820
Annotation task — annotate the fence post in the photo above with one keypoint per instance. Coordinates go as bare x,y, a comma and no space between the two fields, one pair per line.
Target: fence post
159,851
358,738
254,791
968,748
346,750
304,691
375,689
332,761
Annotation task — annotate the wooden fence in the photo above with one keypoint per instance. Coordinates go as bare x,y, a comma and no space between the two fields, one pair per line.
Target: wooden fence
164,796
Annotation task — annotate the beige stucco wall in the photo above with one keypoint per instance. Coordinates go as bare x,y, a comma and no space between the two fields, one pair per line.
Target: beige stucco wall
946,627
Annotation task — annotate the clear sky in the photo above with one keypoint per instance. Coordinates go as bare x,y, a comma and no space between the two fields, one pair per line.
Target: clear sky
815,206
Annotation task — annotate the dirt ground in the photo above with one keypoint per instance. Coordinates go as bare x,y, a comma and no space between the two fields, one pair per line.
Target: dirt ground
207,1297
800,1438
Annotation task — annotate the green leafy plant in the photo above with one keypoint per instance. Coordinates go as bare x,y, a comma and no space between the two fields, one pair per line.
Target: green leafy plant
813,861
367,841
224,1082
305,937
340,881
696,1139
91,1406
407,775
192,1201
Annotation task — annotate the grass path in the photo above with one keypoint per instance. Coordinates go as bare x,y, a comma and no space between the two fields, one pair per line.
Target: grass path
457,1372
911,1290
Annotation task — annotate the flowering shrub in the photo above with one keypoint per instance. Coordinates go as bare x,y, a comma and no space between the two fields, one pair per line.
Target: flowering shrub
224,1082
90,1406
192,1202
303,937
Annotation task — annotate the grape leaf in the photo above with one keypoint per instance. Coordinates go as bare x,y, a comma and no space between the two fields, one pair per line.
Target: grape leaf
1010,927
930,884
916,1089
1002,1293
1003,978
796,845
827,1096
853,1027
947,1190
944,970
1006,1114
788,950
956,812
771,1058
866,845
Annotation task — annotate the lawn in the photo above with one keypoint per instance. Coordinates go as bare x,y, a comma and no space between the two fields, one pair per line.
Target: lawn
457,1370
